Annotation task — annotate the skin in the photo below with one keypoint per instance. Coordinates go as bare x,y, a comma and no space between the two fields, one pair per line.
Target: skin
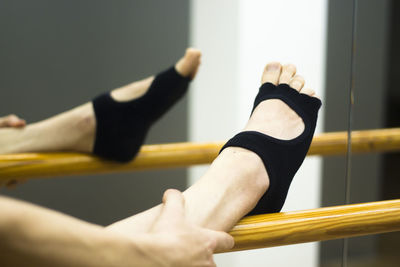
12,121
31,235
35,236
236,179
74,130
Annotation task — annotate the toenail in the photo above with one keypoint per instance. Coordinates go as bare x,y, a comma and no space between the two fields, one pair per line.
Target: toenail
272,67
291,68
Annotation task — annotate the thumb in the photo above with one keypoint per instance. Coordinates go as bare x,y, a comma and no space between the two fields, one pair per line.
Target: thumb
173,208
222,241
11,121
3,122
16,122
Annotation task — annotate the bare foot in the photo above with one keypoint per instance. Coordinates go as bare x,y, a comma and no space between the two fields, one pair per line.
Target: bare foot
74,130
187,66
237,179
124,118
273,117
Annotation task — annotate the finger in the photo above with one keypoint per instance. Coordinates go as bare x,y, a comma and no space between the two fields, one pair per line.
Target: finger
173,208
12,184
12,121
17,123
3,122
220,241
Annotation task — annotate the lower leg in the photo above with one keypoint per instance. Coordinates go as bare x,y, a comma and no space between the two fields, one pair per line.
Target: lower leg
237,179
70,130
75,130
228,191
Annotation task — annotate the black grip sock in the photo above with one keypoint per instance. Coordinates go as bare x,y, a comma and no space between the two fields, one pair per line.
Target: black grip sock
281,158
121,126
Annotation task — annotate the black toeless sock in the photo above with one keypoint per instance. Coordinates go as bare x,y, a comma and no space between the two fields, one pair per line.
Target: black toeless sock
281,158
122,126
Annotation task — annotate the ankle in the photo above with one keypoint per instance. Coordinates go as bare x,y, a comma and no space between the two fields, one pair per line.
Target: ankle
132,91
82,129
231,187
248,167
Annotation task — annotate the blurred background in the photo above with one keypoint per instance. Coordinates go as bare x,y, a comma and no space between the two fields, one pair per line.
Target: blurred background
55,55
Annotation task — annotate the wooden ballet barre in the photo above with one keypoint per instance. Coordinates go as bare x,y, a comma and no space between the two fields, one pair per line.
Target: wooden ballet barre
279,229
34,165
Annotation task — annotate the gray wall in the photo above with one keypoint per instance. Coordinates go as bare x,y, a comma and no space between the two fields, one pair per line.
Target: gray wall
368,111
55,55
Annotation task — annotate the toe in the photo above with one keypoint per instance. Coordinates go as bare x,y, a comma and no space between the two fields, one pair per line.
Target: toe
310,92
307,91
297,82
288,71
271,73
188,65
192,53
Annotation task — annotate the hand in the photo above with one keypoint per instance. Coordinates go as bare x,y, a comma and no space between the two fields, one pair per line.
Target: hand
11,121
179,243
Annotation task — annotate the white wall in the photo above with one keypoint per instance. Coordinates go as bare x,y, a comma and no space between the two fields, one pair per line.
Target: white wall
238,38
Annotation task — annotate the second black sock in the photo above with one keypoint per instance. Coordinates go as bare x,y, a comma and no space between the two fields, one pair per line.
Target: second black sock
281,158
123,125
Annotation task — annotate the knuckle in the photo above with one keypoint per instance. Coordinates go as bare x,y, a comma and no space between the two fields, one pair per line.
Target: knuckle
171,192
211,244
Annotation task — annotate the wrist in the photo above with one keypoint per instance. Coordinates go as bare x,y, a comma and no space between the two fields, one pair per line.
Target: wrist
137,251
155,250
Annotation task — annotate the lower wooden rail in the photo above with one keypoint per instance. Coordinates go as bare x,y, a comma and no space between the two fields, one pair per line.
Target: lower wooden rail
287,228
33,165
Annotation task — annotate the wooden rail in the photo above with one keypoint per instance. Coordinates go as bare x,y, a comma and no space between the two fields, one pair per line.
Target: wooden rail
33,165
287,228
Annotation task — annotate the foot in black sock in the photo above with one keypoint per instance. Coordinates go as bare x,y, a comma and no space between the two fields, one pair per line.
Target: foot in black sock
279,131
124,116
